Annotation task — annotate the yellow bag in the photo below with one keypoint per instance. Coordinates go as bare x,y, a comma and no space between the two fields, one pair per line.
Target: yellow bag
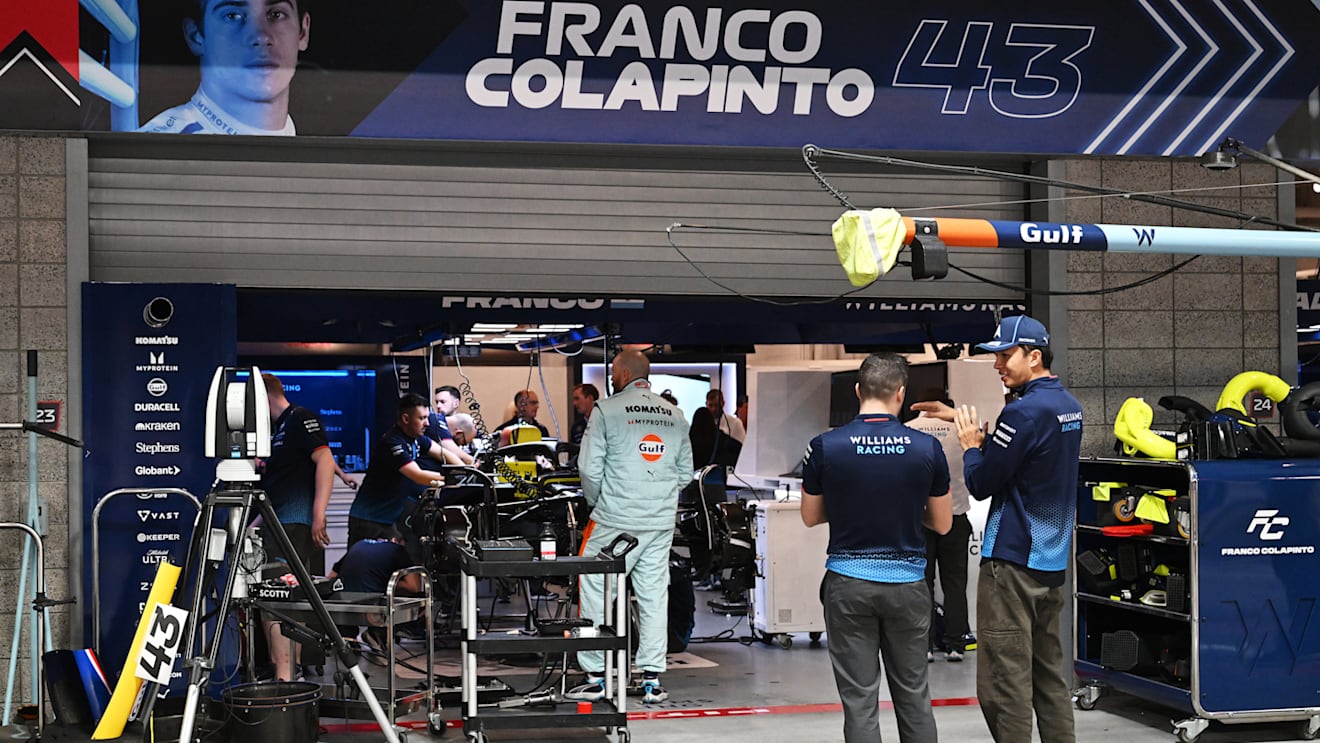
868,243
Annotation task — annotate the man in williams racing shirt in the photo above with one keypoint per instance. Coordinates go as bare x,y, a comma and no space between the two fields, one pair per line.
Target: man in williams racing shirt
1027,467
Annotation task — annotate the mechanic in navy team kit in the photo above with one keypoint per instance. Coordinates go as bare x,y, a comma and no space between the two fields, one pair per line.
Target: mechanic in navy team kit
878,483
393,476
297,477
447,401
1027,467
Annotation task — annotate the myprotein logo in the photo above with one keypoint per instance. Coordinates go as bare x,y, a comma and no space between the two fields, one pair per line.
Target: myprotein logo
156,363
143,470
158,426
651,447
156,447
1267,519
157,387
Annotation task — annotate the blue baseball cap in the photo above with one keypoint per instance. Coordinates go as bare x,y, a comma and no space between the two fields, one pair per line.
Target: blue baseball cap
1019,330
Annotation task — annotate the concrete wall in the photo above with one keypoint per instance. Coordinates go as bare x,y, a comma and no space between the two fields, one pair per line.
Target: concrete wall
33,316
1187,333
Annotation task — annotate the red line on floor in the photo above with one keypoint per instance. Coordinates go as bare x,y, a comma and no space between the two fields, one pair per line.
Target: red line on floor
681,714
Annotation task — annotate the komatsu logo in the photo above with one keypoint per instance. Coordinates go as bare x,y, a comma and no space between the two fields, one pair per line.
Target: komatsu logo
1063,234
522,303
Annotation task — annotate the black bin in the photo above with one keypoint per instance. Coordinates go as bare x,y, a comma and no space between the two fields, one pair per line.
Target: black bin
274,712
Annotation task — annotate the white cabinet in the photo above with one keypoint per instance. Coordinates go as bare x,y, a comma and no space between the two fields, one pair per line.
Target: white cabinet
790,563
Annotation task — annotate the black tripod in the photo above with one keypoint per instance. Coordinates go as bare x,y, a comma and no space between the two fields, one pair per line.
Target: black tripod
206,553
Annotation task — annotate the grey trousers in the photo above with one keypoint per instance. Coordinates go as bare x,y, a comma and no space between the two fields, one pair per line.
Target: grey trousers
868,622
1019,659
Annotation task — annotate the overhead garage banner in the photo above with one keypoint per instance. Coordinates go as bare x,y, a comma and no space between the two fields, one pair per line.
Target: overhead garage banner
1150,77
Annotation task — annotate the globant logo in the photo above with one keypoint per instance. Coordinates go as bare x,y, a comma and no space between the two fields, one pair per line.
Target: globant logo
151,471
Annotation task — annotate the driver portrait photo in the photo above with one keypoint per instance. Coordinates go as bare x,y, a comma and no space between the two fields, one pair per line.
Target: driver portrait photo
248,52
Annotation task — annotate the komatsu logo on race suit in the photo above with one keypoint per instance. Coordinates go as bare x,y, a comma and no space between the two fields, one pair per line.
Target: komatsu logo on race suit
658,409
651,447
1064,234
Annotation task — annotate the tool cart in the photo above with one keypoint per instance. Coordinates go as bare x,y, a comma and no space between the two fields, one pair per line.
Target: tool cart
611,636
353,608
1210,607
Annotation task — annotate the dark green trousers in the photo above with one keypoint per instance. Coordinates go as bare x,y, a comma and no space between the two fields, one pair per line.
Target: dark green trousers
1019,659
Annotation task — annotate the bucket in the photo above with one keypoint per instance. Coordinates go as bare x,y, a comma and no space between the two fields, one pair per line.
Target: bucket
273,712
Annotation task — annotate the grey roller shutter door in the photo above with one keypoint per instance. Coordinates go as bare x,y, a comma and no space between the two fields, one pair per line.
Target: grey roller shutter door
508,221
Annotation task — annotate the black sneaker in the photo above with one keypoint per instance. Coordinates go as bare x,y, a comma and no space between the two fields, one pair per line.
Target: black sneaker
969,642
592,689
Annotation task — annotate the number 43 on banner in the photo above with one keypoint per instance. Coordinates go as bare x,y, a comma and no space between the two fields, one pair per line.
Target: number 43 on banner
161,645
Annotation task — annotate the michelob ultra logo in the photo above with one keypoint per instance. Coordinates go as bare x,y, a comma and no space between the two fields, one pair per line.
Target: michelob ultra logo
651,447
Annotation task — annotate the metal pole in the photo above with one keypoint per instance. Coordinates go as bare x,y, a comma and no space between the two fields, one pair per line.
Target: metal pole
39,607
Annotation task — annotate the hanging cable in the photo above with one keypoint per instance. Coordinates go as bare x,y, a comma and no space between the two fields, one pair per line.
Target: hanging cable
810,153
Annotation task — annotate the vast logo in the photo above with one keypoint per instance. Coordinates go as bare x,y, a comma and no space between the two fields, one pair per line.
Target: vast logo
1267,519
651,447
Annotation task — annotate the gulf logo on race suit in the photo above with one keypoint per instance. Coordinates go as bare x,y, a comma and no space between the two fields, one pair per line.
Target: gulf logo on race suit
651,447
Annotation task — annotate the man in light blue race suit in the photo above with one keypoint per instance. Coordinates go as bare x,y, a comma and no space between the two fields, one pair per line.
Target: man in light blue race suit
635,457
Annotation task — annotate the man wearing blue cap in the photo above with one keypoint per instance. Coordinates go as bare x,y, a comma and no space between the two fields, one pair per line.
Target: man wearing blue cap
1027,467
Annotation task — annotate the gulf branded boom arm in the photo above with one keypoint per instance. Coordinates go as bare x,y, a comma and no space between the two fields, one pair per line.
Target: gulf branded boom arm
1116,238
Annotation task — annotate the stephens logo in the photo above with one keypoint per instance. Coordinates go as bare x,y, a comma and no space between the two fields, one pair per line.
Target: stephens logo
651,447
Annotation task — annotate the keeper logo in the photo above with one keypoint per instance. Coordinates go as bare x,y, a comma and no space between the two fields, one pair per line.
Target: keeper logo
1267,519
651,447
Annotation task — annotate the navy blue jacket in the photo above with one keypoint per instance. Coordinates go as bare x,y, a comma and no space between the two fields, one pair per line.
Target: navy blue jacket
876,475
1027,467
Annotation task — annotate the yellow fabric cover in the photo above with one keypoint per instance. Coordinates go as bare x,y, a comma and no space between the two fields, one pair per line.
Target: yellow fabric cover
868,243
1132,427
1237,388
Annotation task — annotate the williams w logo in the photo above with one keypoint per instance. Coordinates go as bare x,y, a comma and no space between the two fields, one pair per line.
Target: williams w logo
1267,519
1144,235
1275,636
